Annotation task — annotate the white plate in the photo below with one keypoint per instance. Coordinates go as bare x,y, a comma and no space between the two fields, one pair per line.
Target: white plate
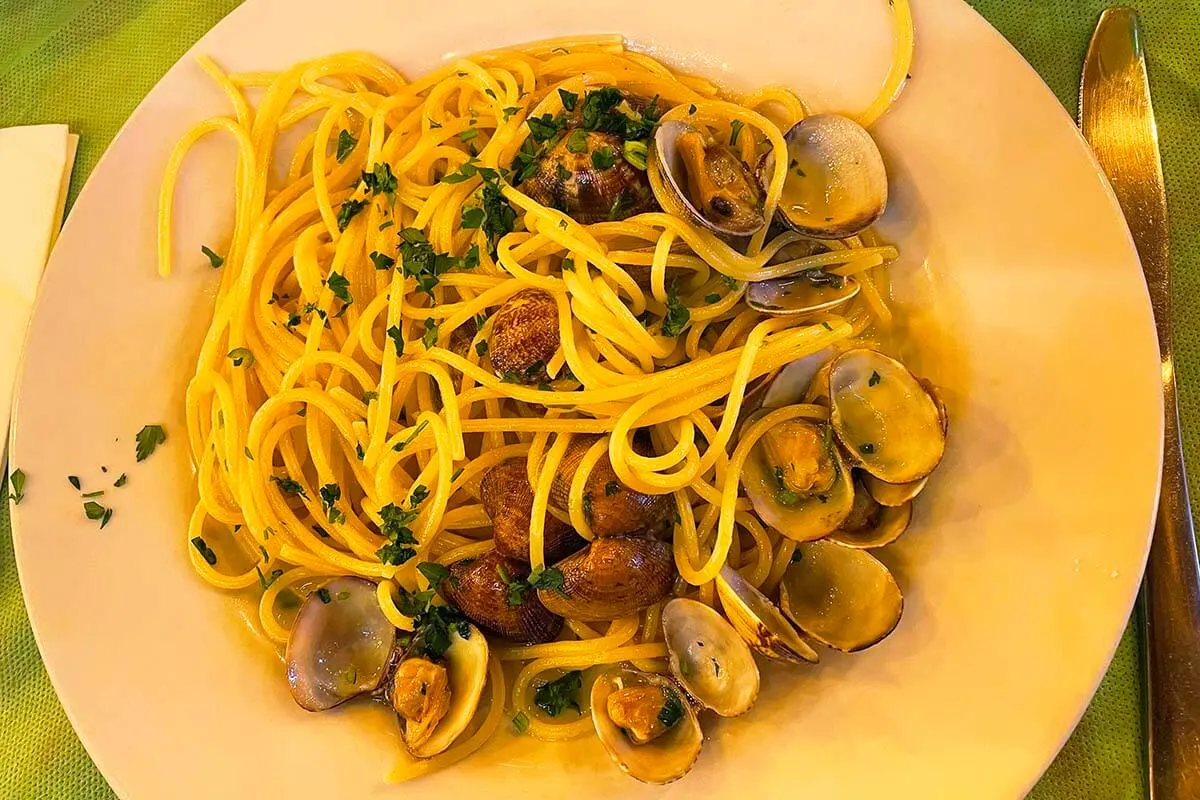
1019,575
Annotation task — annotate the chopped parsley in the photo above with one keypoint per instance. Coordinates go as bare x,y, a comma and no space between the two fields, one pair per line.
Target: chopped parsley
469,134
434,573
712,298
348,211
611,488
380,180
416,432
370,395
472,218
672,710
577,141
289,486
732,283
121,481
874,379
397,339
520,722
17,481
95,511
330,494
545,127
241,355
213,259
74,481
636,153
148,439
548,578
562,173
866,449
323,595
345,145
430,337
509,111
678,316
569,99
339,284
382,260
420,261
735,131
601,112
481,348
432,624
97,493
394,522
201,547
557,695
499,216
603,158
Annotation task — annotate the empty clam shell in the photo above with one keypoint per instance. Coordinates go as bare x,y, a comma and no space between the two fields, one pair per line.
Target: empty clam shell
836,183
792,382
709,657
841,597
799,294
884,417
892,494
759,622
340,645
664,758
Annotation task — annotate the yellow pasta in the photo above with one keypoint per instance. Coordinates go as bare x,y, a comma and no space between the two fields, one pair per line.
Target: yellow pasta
346,381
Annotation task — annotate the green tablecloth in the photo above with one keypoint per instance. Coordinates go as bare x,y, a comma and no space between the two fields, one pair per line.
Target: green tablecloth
89,62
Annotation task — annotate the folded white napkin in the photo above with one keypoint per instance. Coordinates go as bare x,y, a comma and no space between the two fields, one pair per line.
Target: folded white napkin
35,172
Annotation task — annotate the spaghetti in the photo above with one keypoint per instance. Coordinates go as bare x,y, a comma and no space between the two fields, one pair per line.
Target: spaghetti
337,380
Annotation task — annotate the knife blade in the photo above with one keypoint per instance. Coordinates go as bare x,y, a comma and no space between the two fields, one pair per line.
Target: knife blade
1117,119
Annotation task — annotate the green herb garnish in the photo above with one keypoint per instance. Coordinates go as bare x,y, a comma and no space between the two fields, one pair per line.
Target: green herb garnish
214,260
557,695
348,211
17,481
198,543
672,710
735,131
148,439
678,316
382,260
241,355
345,145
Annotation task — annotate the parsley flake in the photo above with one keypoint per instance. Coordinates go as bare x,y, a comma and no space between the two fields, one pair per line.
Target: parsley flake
213,259
148,439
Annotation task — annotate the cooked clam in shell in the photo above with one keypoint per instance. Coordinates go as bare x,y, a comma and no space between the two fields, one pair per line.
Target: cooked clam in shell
646,724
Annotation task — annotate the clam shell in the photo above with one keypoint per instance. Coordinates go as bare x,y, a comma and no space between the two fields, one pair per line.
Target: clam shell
841,597
615,508
836,184
612,578
870,524
792,382
665,759
338,649
585,192
709,658
477,590
508,499
524,335
892,494
799,517
760,623
466,662
796,296
884,417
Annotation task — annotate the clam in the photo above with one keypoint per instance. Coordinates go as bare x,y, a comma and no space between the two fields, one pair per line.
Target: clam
709,658
792,382
646,724
892,494
797,480
482,589
612,508
808,292
704,181
839,596
612,578
585,175
524,336
870,524
836,183
436,700
508,499
884,417
759,622
340,645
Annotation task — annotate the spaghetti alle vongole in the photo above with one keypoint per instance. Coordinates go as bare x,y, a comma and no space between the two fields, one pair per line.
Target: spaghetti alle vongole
519,364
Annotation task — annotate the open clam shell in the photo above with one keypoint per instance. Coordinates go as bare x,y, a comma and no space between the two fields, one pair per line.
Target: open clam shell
836,184
663,759
340,645
703,181
840,596
760,623
466,664
612,578
871,524
802,516
800,294
892,494
884,417
791,384
709,658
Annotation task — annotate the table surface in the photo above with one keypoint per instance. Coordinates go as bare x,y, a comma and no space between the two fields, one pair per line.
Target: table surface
89,62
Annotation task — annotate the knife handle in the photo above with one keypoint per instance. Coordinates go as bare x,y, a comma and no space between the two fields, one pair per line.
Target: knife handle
1173,625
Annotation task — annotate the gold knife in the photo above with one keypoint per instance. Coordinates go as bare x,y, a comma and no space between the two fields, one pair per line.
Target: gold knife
1118,121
